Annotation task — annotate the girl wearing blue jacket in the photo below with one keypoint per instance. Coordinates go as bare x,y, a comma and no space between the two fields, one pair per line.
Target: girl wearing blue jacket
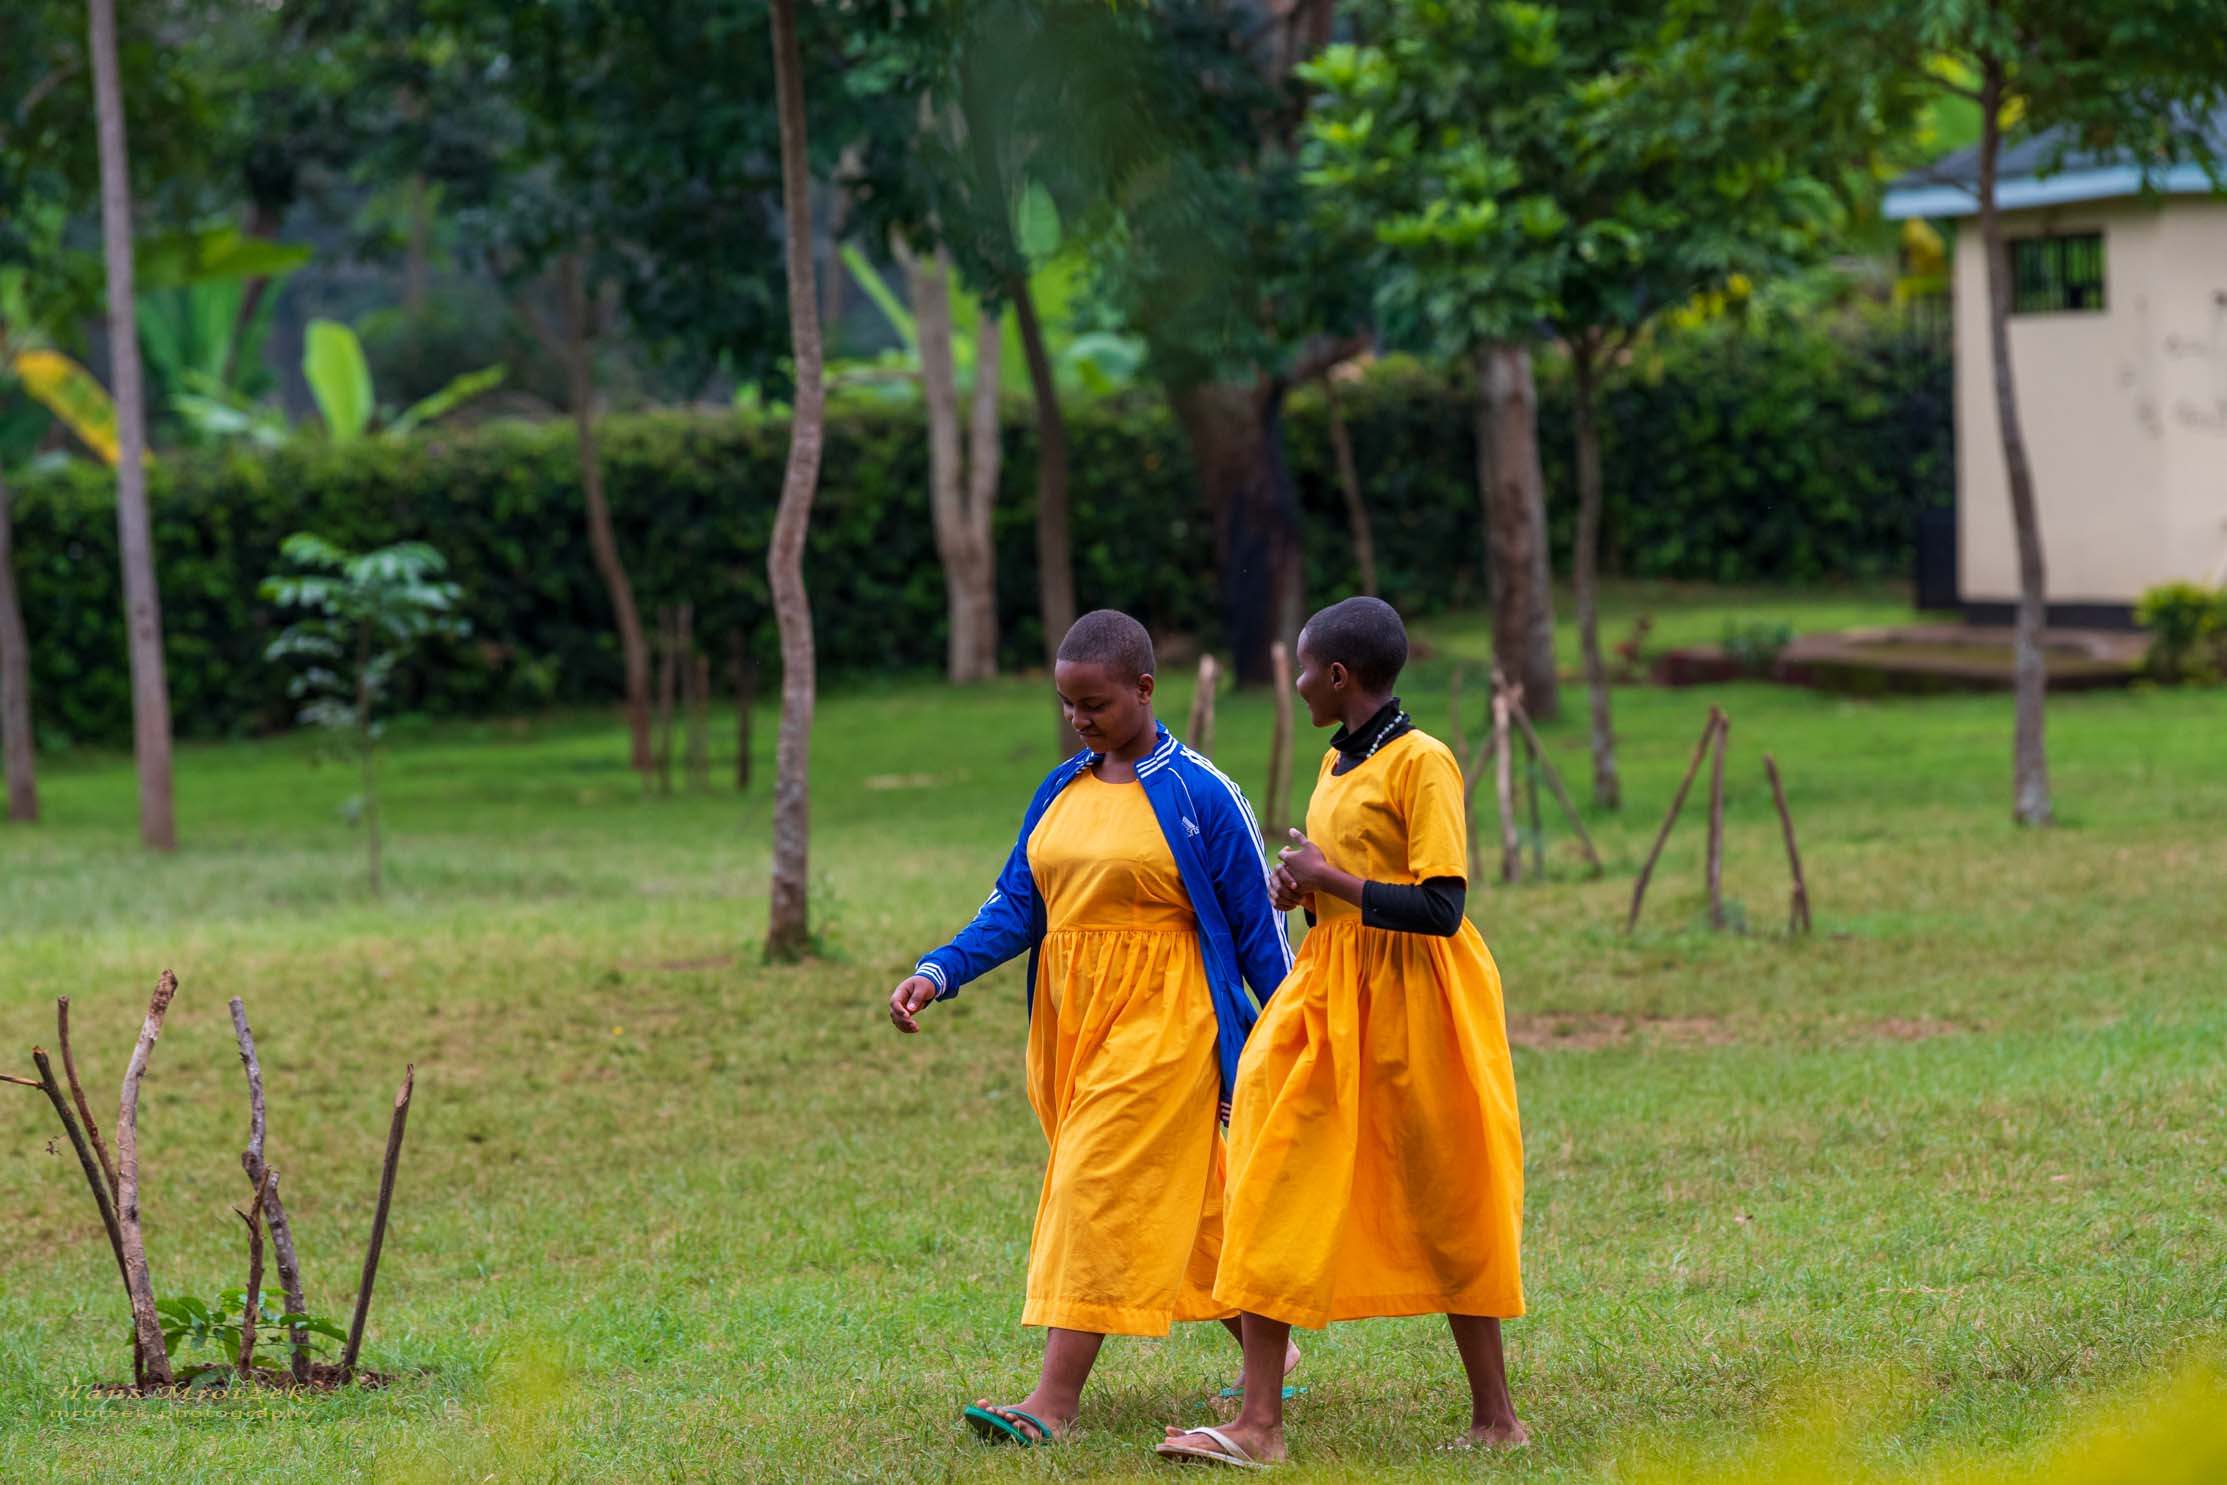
1139,889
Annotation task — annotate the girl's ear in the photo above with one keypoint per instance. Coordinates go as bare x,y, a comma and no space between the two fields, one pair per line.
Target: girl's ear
1340,677
1144,689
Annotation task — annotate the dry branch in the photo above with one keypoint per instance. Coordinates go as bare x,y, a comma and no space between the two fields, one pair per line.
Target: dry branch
1677,803
1554,787
1202,706
274,1209
94,1178
253,1305
132,1243
1716,825
77,1090
378,1223
1797,919
1279,743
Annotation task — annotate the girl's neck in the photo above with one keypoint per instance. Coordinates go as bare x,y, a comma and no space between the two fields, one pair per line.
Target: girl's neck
1139,747
1359,708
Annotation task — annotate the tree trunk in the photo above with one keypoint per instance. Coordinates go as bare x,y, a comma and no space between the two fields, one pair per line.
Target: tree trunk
150,691
1236,437
788,921
417,262
18,746
603,541
962,481
1513,492
1055,563
1349,485
263,219
2029,756
1586,565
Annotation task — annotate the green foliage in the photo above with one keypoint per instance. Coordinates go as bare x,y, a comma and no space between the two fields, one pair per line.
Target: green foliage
333,365
1734,457
1754,644
2188,632
215,1326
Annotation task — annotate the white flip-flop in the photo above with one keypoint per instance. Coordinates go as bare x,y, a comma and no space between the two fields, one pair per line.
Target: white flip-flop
1230,1452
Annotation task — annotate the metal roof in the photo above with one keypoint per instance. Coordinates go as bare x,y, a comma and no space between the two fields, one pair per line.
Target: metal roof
2040,170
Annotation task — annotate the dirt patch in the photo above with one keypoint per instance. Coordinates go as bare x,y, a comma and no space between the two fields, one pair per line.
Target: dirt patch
1589,1031
1913,1029
211,1384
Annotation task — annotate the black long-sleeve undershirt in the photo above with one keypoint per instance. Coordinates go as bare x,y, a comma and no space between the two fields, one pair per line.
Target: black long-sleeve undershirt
1434,907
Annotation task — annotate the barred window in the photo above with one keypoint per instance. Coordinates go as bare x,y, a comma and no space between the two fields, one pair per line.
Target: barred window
2058,274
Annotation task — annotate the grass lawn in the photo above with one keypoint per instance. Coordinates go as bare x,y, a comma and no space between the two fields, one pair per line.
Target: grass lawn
1920,1191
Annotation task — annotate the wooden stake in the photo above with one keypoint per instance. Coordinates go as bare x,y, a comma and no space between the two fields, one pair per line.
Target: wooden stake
378,1224
274,1210
668,660
1531,804
1716,825
77,1090
699,724
1554,787
1797,917
129,1238
1472,764
1279,743
253,1217
1511,847
94,1178
1202,707
746,679
1677,803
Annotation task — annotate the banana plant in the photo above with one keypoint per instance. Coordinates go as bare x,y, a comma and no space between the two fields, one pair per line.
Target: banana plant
340,383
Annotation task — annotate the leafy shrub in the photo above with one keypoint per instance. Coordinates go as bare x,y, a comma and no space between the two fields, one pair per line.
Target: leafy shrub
2188,632
1789,456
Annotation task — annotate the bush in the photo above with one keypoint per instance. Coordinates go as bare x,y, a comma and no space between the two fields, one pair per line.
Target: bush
1794,457
2188,632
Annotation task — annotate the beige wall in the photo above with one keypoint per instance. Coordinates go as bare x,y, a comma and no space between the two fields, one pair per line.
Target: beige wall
2125,412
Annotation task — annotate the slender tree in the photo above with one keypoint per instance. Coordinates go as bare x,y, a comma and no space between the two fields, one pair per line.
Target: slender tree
17,748
2139,80
788,923
150,690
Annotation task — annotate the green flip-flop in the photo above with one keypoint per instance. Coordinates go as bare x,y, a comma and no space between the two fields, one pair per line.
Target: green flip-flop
1238,1393
999,1429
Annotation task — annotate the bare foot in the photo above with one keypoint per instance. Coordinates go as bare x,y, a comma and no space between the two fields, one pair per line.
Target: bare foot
1505,1435
1061,1420
1262,1445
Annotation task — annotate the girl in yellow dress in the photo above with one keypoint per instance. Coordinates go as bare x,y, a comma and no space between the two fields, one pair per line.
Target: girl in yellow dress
1376,1165
1139,888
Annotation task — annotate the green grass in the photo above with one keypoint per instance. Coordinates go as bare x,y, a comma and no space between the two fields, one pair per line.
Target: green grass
667,1214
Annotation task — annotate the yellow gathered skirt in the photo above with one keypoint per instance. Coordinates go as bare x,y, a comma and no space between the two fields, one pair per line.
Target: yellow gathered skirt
1375,1154
1122,1076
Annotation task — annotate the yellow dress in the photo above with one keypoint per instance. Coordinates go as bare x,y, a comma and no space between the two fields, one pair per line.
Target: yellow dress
1122,1075
1375,1161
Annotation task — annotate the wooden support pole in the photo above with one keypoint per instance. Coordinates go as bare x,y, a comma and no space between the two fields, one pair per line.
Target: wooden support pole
668,662
1797,918
77,1091
1503,775
1677,803
274,1209
1279,744
699,723
1472,764
746,680
251,1309
378,1224
1202,707
1531,807
1716,825
1554,787
133,1243
94,1178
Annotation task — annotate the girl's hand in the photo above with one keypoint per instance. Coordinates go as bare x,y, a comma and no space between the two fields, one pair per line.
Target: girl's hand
1284,892
1304,864
913,994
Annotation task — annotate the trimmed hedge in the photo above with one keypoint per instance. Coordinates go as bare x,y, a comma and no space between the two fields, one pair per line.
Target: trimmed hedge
1728,458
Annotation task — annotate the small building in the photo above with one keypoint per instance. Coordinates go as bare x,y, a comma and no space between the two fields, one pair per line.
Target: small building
2118,336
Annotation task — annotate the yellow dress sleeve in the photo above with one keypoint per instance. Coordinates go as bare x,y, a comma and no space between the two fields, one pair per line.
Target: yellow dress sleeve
1437,841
